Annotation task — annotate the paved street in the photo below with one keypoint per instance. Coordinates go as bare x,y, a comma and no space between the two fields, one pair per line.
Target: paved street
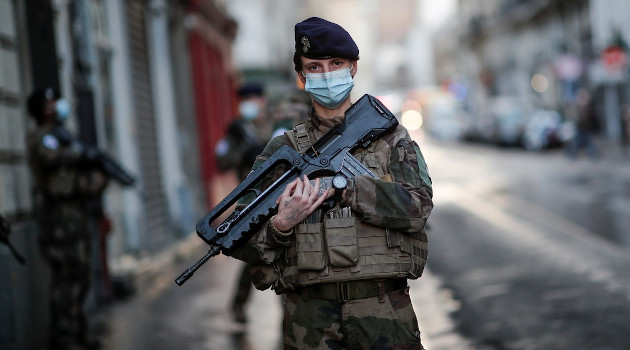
534,247
518,260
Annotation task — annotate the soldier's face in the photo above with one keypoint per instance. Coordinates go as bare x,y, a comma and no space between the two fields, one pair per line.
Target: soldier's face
49,110
251,107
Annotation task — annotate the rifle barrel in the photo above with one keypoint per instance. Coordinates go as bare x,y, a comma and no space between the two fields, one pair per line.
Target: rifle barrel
190,271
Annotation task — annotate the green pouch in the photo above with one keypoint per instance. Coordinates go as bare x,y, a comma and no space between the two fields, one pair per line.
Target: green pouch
341,241
310,247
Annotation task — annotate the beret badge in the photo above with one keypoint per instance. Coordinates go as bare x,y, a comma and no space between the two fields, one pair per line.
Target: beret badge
305,44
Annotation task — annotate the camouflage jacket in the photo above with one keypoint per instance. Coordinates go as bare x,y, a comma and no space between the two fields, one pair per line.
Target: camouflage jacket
402,202
238,149
58,167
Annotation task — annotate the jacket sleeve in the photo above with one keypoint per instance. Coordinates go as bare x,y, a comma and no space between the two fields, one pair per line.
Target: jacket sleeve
403,204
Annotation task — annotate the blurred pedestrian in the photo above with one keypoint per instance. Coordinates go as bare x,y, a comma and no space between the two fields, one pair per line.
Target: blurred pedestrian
583,120
65,190
343,271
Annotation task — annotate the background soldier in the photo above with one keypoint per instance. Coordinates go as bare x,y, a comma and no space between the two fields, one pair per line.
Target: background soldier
65,187
284,115
245,138
344,270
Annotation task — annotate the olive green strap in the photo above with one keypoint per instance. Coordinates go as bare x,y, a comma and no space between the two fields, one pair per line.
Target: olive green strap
344,291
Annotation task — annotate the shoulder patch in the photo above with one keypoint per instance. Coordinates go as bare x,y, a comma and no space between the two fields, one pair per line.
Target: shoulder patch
221,147
50,142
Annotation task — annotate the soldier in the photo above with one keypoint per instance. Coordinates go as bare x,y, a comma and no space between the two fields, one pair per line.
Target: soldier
245,138
64,187
343,271
246,135
288,112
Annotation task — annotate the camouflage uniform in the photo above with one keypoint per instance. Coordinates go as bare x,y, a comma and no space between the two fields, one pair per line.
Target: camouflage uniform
377,244
290,111
64,190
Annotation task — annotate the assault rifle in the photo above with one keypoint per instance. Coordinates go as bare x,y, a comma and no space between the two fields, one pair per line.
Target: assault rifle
365,121
93,157
5,231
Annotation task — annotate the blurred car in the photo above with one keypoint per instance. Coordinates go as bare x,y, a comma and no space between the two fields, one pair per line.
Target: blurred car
447,121
509,117
542,131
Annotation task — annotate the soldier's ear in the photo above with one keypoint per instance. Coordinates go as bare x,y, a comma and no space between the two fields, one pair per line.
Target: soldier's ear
354,68
302,77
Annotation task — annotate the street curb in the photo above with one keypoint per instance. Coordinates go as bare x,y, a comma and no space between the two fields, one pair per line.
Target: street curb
140,272
434,305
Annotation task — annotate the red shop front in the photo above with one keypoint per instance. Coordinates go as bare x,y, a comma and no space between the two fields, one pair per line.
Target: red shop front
211,35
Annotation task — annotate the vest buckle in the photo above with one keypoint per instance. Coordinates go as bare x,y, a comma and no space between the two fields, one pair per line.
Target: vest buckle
343,295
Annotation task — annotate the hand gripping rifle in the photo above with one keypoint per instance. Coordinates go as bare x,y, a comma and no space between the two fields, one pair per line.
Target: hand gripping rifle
365,121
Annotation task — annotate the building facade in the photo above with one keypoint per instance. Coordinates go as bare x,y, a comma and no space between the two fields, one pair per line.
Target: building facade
129,70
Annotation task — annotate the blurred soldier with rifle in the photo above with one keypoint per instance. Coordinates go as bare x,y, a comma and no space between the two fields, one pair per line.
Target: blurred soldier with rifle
245,138
69,178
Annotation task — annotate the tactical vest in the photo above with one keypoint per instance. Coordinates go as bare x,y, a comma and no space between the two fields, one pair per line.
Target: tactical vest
343,248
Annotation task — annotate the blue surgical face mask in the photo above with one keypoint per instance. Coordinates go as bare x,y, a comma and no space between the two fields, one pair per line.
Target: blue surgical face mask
249,109
329,89
62,109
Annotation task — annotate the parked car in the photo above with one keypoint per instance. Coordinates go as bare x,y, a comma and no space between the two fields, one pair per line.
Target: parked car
447,120
542,131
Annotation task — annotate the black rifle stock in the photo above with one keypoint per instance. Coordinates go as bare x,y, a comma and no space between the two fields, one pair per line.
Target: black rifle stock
365,121
5,231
